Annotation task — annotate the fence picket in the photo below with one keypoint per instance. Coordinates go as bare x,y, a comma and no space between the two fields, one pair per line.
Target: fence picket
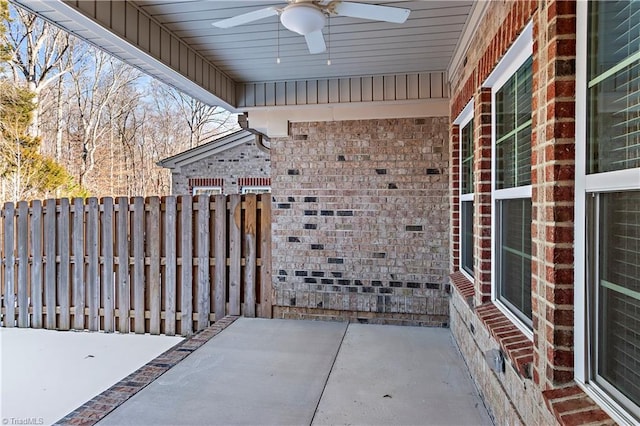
50,263
77,240
107,284
9,267
154,279
170,227
36,263
265,255
93,265
23,264
220,253
123,288
235,253
138,264
64,285
203,287
250,256
186,279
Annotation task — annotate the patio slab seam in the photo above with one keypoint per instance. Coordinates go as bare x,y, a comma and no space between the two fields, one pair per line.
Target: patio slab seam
102,404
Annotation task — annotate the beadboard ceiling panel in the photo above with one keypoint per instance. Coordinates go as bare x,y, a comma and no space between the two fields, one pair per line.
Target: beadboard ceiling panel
248,53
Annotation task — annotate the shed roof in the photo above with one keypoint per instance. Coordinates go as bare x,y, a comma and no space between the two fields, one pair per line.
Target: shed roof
207,149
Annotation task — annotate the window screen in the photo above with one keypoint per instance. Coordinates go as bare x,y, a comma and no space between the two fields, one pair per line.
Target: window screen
467,236
466,172
513,129
614,86
514,257
466,203
613,144
618,359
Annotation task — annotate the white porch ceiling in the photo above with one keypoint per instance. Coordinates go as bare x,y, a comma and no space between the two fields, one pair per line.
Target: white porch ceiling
247,53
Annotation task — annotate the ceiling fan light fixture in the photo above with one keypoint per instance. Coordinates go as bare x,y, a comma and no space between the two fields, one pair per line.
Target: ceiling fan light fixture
303,18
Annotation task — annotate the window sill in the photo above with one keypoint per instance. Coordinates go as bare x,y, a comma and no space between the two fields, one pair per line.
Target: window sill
515,345
571,406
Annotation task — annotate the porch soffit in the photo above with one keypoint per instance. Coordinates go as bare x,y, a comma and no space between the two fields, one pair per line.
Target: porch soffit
373,63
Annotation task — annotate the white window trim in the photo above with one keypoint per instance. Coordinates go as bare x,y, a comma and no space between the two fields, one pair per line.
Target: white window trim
462,120
250,189
515,57
195,189
585,185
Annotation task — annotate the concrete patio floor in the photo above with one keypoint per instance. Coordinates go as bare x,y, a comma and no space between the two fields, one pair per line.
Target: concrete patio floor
288,372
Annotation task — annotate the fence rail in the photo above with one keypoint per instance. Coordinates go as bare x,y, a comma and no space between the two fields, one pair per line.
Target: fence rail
154,265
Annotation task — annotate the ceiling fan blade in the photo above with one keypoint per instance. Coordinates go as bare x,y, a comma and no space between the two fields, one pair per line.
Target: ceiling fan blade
371,11
315,42
245,18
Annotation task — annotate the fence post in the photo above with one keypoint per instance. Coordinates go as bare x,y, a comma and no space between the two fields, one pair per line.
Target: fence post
250,255
154,279
36,263
64,287
123,288
23,264
137,236
108,290
93,289
50,265
235,253
265,250
220,254
202,285
186,278
9,267
170,269
77,240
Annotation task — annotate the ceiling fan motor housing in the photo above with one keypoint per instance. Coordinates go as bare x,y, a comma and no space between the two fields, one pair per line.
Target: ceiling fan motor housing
303,18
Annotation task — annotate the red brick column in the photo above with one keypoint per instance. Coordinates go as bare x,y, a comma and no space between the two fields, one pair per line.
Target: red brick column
482,196
553,174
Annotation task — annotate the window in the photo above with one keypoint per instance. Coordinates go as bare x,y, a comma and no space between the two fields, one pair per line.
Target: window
255,189
465,123
608,177
206,190
512,91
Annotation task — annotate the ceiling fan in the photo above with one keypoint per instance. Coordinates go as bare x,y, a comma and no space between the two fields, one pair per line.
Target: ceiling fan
308,17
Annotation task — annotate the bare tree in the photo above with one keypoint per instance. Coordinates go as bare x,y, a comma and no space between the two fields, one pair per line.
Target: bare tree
39,55
203,121
96,85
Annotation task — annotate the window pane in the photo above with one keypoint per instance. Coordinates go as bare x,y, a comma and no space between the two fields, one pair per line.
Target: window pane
619,292
614,86
466,174
524,92
506,108
513,129
466,233
515,256
523,157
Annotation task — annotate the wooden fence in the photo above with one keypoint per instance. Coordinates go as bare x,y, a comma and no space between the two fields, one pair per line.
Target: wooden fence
157,265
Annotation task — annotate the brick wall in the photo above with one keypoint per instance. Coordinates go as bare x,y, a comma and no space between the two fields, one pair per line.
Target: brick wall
544,364
360,221
245,161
